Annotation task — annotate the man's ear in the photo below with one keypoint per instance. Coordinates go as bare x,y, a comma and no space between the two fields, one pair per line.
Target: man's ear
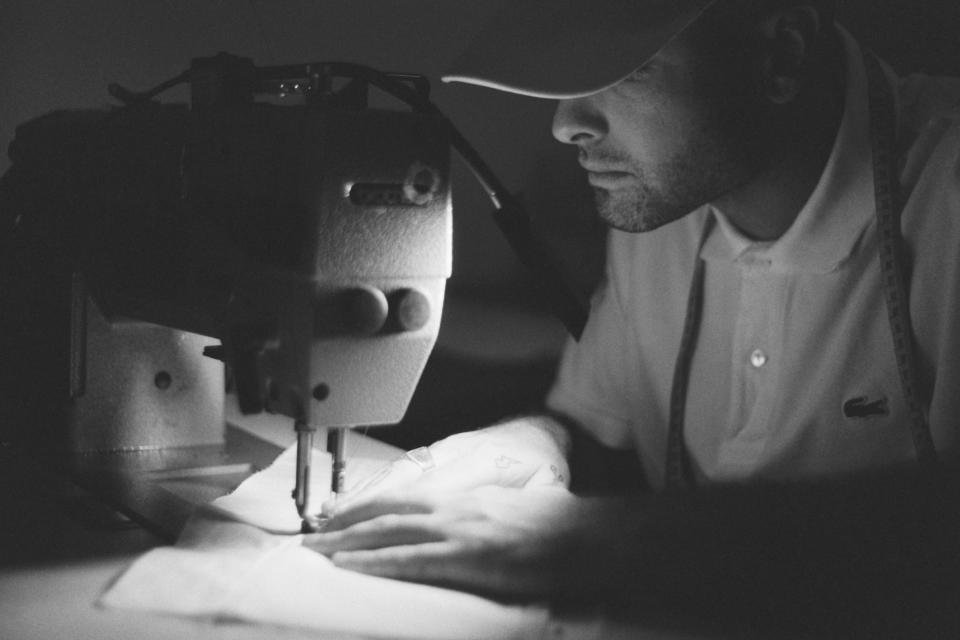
789,35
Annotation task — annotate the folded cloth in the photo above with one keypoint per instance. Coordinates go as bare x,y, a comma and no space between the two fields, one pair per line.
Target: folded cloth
240,559
264,501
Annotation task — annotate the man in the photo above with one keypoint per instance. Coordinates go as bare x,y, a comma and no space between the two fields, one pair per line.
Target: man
740,343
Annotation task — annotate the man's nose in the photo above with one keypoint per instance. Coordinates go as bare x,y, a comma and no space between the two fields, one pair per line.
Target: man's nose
578,121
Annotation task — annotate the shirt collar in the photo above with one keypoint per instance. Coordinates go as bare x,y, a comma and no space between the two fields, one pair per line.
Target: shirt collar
827,229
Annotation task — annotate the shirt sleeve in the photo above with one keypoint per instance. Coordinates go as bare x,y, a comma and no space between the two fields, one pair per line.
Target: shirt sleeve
935,294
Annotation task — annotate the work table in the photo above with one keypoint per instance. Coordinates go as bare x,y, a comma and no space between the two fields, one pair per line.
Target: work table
62,547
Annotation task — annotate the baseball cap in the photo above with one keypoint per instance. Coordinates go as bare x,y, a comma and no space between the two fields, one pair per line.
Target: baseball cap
570,48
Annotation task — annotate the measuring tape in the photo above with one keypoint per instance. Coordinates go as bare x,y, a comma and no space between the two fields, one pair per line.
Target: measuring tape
883,123
886,187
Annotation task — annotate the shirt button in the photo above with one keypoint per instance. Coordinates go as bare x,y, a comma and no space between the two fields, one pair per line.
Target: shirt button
758,358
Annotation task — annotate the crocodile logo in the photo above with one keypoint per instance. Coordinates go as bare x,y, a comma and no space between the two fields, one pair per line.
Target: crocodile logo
859,407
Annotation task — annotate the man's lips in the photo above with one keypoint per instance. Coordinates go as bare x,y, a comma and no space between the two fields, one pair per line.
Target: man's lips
608,179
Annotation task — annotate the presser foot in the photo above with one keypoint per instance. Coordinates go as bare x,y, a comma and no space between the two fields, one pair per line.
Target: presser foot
312,525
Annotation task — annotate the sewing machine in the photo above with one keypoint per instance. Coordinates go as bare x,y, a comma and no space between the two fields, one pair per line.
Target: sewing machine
306,246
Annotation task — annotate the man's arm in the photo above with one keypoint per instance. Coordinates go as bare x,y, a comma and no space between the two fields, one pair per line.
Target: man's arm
863,556
868,556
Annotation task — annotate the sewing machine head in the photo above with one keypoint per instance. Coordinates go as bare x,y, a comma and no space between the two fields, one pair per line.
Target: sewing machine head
313,241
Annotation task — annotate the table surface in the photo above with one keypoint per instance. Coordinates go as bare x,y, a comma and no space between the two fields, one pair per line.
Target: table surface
61,548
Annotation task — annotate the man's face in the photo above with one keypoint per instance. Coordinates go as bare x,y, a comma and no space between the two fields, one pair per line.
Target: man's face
675,135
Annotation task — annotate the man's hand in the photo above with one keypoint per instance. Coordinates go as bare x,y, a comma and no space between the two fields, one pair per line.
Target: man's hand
866,556
494,540
523,453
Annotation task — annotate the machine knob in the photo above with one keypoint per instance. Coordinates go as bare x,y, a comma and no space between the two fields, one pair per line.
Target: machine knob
364,310
411,309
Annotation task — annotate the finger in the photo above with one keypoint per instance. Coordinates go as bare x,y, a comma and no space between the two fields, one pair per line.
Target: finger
480,468
384,531
549,476
462,475
428,562
363,508
446,564
400,472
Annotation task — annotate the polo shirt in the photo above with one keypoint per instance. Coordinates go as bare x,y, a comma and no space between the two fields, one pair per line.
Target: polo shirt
793,374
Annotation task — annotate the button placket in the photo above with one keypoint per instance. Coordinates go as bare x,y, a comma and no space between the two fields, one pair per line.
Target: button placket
756,323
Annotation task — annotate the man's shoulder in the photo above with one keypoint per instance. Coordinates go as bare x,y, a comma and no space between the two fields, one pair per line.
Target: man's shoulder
928,105
929,131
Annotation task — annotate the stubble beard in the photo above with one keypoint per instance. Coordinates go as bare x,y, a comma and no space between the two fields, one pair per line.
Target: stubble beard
668,191
636,210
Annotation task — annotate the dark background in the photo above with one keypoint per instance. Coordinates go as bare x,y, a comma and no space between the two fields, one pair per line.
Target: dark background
61,54
57,54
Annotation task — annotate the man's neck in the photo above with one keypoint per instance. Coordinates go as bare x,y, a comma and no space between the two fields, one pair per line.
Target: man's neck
764,207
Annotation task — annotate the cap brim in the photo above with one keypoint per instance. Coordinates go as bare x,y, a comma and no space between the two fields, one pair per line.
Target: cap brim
570,48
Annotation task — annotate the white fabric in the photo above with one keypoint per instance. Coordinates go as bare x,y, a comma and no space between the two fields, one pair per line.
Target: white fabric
264,501
807,308
225,568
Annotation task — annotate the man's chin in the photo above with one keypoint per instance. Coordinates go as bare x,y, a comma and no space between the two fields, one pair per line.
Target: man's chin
626,213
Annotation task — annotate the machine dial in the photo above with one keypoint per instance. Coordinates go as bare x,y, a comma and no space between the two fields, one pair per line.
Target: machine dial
411,309
364,310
